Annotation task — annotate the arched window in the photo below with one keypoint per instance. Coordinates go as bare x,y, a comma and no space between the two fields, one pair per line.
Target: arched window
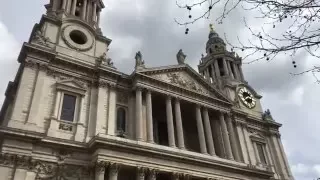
121,120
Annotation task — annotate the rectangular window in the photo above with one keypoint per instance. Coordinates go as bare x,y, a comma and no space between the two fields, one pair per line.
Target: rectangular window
261,153
68,107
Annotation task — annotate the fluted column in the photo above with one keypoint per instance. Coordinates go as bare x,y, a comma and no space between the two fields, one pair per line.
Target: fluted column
149,118
170,122
179,124
140,173
84,9
138,114
74,7
208,132
201,136
152,175
225,137
113,171
233,138
54,6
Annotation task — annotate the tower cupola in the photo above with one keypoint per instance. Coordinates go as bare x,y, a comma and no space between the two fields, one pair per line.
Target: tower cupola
86,10
215,44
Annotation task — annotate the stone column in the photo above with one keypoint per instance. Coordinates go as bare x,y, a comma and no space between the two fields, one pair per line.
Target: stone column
138,114
149,118
113,171
243,145
140,173
94,13
64,4
202,139
54,5
98,17
236,71
68,10
225,137
230,70
225,67
179,124
84,9
241,73
74,7
233,138
152,175
216,67
100,170
212,72
170,122
208,132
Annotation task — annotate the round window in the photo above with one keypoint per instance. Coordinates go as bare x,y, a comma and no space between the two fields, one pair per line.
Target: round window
78,37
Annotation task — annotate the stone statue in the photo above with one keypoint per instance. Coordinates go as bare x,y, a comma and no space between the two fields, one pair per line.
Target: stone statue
103,59
267,115
40,38
139,61
181,57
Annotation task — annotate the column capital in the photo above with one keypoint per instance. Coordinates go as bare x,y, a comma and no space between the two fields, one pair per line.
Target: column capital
141,172
152,174
100,166
114,167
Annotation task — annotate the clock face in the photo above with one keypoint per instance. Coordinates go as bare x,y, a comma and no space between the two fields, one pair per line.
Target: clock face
247,98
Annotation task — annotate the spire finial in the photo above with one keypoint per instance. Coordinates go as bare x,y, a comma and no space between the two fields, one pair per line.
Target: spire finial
211,27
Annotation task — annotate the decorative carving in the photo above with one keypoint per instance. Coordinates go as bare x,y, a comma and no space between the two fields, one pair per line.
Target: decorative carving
39,38
267,115
139,61
181,57
100,167
141,173
114,169
101,60
152,174
122,97
189,84
65,127
59,171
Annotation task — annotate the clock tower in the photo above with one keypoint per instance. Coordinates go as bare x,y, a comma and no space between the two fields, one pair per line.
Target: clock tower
223,69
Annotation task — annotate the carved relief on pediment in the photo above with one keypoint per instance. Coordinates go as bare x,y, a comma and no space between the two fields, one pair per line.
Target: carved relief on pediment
183,80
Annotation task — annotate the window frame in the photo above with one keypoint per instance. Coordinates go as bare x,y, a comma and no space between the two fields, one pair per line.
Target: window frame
263,148
76,107
117,131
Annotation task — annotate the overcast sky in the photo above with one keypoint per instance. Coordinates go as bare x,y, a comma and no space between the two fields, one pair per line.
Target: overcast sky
148,26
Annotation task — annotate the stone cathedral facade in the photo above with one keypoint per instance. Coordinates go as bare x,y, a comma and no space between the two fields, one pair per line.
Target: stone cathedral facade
70,114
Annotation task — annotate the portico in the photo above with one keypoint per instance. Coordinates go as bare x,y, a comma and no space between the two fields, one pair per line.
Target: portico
185,123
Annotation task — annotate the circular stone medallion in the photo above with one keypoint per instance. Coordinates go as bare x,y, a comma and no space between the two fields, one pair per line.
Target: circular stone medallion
77,38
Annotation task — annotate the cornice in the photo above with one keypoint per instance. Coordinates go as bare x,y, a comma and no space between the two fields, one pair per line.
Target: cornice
190,71
188,158
151,83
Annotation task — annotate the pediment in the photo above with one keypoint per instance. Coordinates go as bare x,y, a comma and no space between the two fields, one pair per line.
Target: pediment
71,85
185,77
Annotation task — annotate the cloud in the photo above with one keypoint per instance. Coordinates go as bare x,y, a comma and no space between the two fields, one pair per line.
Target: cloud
9,50
149,26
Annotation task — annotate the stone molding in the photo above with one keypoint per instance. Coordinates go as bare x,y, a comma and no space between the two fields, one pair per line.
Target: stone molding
43,169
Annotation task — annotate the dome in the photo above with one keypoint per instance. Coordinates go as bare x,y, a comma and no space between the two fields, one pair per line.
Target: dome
214,39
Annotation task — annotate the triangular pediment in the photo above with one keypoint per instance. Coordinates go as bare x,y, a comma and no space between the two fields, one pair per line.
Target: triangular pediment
71,83
185,77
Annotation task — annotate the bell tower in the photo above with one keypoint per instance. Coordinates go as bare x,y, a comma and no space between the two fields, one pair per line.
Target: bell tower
220,65
223,69
70,28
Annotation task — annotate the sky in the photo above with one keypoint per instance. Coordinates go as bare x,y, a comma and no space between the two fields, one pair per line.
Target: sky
148,26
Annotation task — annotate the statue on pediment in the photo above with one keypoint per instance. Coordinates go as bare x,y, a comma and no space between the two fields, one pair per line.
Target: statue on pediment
181,57
267,115
103,59
139,61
